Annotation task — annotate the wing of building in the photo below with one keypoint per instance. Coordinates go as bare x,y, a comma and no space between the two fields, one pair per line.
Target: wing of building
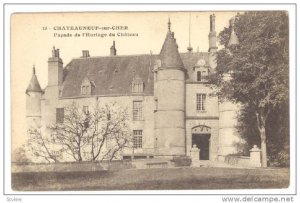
168,97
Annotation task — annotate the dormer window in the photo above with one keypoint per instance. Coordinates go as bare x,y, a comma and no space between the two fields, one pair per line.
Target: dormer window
86,86
201,71
84,90
137,85
201,74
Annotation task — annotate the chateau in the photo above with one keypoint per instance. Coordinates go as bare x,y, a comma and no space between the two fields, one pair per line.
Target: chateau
168,97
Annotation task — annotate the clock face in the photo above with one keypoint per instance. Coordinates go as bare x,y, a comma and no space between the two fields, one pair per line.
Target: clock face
201,62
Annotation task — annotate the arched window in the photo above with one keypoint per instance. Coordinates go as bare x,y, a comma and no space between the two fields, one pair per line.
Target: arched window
199,76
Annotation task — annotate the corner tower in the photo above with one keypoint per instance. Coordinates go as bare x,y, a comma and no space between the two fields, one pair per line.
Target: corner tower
229,138
170,97
33,102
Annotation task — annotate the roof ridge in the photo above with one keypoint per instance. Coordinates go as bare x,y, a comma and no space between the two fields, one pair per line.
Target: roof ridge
117,56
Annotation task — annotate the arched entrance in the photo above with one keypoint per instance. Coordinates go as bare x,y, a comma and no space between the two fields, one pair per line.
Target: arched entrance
201,138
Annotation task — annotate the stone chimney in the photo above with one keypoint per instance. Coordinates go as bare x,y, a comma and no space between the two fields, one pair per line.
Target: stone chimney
85,54
55,69
113,50
212,36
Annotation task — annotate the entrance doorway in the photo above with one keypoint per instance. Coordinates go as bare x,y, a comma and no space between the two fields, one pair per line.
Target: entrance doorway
202,142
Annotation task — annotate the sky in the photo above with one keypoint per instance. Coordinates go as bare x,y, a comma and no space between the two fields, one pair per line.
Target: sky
33,36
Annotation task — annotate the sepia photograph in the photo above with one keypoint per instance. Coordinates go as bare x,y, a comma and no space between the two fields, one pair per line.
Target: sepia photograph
164,100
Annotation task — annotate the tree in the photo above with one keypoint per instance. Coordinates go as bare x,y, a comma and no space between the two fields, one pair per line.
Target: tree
19,155
100,133
277,130
41,146
258,66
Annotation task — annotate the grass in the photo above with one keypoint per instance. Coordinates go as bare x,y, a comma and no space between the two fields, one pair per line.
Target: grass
153,179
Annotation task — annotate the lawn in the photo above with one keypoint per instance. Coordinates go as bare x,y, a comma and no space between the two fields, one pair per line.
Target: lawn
153,179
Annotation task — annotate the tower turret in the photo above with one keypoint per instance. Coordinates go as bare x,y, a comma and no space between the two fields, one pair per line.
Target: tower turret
233,37
228,114
33,101
170,97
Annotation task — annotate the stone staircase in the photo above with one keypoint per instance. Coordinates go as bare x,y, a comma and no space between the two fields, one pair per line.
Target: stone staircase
152,163
167,163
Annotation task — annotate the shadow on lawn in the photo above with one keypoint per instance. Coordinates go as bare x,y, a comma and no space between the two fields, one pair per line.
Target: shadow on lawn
152,179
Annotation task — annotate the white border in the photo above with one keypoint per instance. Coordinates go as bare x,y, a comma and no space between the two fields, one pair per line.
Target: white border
9,9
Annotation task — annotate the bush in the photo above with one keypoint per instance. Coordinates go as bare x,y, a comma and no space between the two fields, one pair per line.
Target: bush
282,159
182,161
19,156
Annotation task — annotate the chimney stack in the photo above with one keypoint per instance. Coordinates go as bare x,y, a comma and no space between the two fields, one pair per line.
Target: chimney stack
85,54
212,23
212,36
55,69
55,53
113,50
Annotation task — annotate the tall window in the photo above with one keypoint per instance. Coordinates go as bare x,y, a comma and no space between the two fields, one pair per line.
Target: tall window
85,109
201,102
137,111
60,113
199,78
137,138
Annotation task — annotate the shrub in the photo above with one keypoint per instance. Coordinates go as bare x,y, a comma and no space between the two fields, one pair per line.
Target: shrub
181,161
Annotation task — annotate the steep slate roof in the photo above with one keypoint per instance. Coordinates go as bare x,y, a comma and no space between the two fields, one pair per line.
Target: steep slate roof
191,59
34,85
112,75
169,53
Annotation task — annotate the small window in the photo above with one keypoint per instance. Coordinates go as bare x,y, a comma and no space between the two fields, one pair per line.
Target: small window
85,109
137,110
201,102
138,139
60,115
199,76
83,90
87,86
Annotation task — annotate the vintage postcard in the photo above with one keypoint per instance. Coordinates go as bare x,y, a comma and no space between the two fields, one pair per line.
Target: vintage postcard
131,100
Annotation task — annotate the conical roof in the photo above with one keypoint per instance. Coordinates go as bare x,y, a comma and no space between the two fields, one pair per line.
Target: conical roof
169,52
34,85
234,40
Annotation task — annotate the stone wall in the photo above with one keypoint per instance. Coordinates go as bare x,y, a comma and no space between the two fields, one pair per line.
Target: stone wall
49,105
209,117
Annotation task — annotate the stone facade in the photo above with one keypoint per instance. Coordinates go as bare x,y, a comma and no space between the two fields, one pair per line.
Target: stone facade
177,106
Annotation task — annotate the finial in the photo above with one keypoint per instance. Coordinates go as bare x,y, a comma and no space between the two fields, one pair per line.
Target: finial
169,25
190,49
33,69
231,22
